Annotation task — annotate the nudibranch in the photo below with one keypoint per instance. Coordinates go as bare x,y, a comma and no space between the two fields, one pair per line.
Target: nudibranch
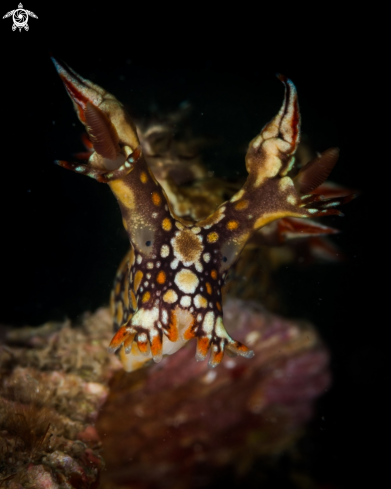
168,287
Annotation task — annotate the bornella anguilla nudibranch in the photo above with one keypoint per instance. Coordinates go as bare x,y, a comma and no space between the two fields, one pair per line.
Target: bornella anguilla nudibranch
168,287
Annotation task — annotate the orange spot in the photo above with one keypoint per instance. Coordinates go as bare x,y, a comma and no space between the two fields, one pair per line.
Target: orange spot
146,297
143,177
134,300
202,346
231,225
212,237
120,312
166,224
208,288
238,347
117,288
216,357
126,294
213,274
119,337
156,346
137,280
189,333
142,345
172,332
242,204
129,340
218,305
161,278
156,199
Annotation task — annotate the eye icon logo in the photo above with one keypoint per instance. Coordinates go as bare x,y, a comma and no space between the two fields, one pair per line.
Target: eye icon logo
20,17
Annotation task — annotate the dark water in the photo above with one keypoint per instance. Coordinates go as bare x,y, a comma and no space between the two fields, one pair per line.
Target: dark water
62,236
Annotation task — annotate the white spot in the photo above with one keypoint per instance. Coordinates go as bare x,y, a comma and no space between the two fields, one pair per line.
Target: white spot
208,323
185,301
154,215
237,196
165,251
199,301
142,337
257,141
199,317
146,283
195,230
199,267
206,257
174,264
148,275
150,265
291,199
179,225
187,281
285,183
170,296
139,259
158,264
165,316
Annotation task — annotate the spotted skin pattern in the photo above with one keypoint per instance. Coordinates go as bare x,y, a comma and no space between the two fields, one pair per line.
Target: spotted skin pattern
168,287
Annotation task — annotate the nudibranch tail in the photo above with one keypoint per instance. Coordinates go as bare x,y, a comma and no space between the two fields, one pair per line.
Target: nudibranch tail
168,287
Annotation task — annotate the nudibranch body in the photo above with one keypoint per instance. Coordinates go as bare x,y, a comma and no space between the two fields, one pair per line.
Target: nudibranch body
168,287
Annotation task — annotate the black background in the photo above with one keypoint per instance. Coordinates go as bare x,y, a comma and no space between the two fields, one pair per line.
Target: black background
61,235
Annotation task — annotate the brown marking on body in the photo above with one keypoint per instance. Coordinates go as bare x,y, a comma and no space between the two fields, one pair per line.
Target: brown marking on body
187,247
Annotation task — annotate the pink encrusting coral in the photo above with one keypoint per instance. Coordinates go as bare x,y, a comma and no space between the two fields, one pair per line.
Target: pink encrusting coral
180,415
